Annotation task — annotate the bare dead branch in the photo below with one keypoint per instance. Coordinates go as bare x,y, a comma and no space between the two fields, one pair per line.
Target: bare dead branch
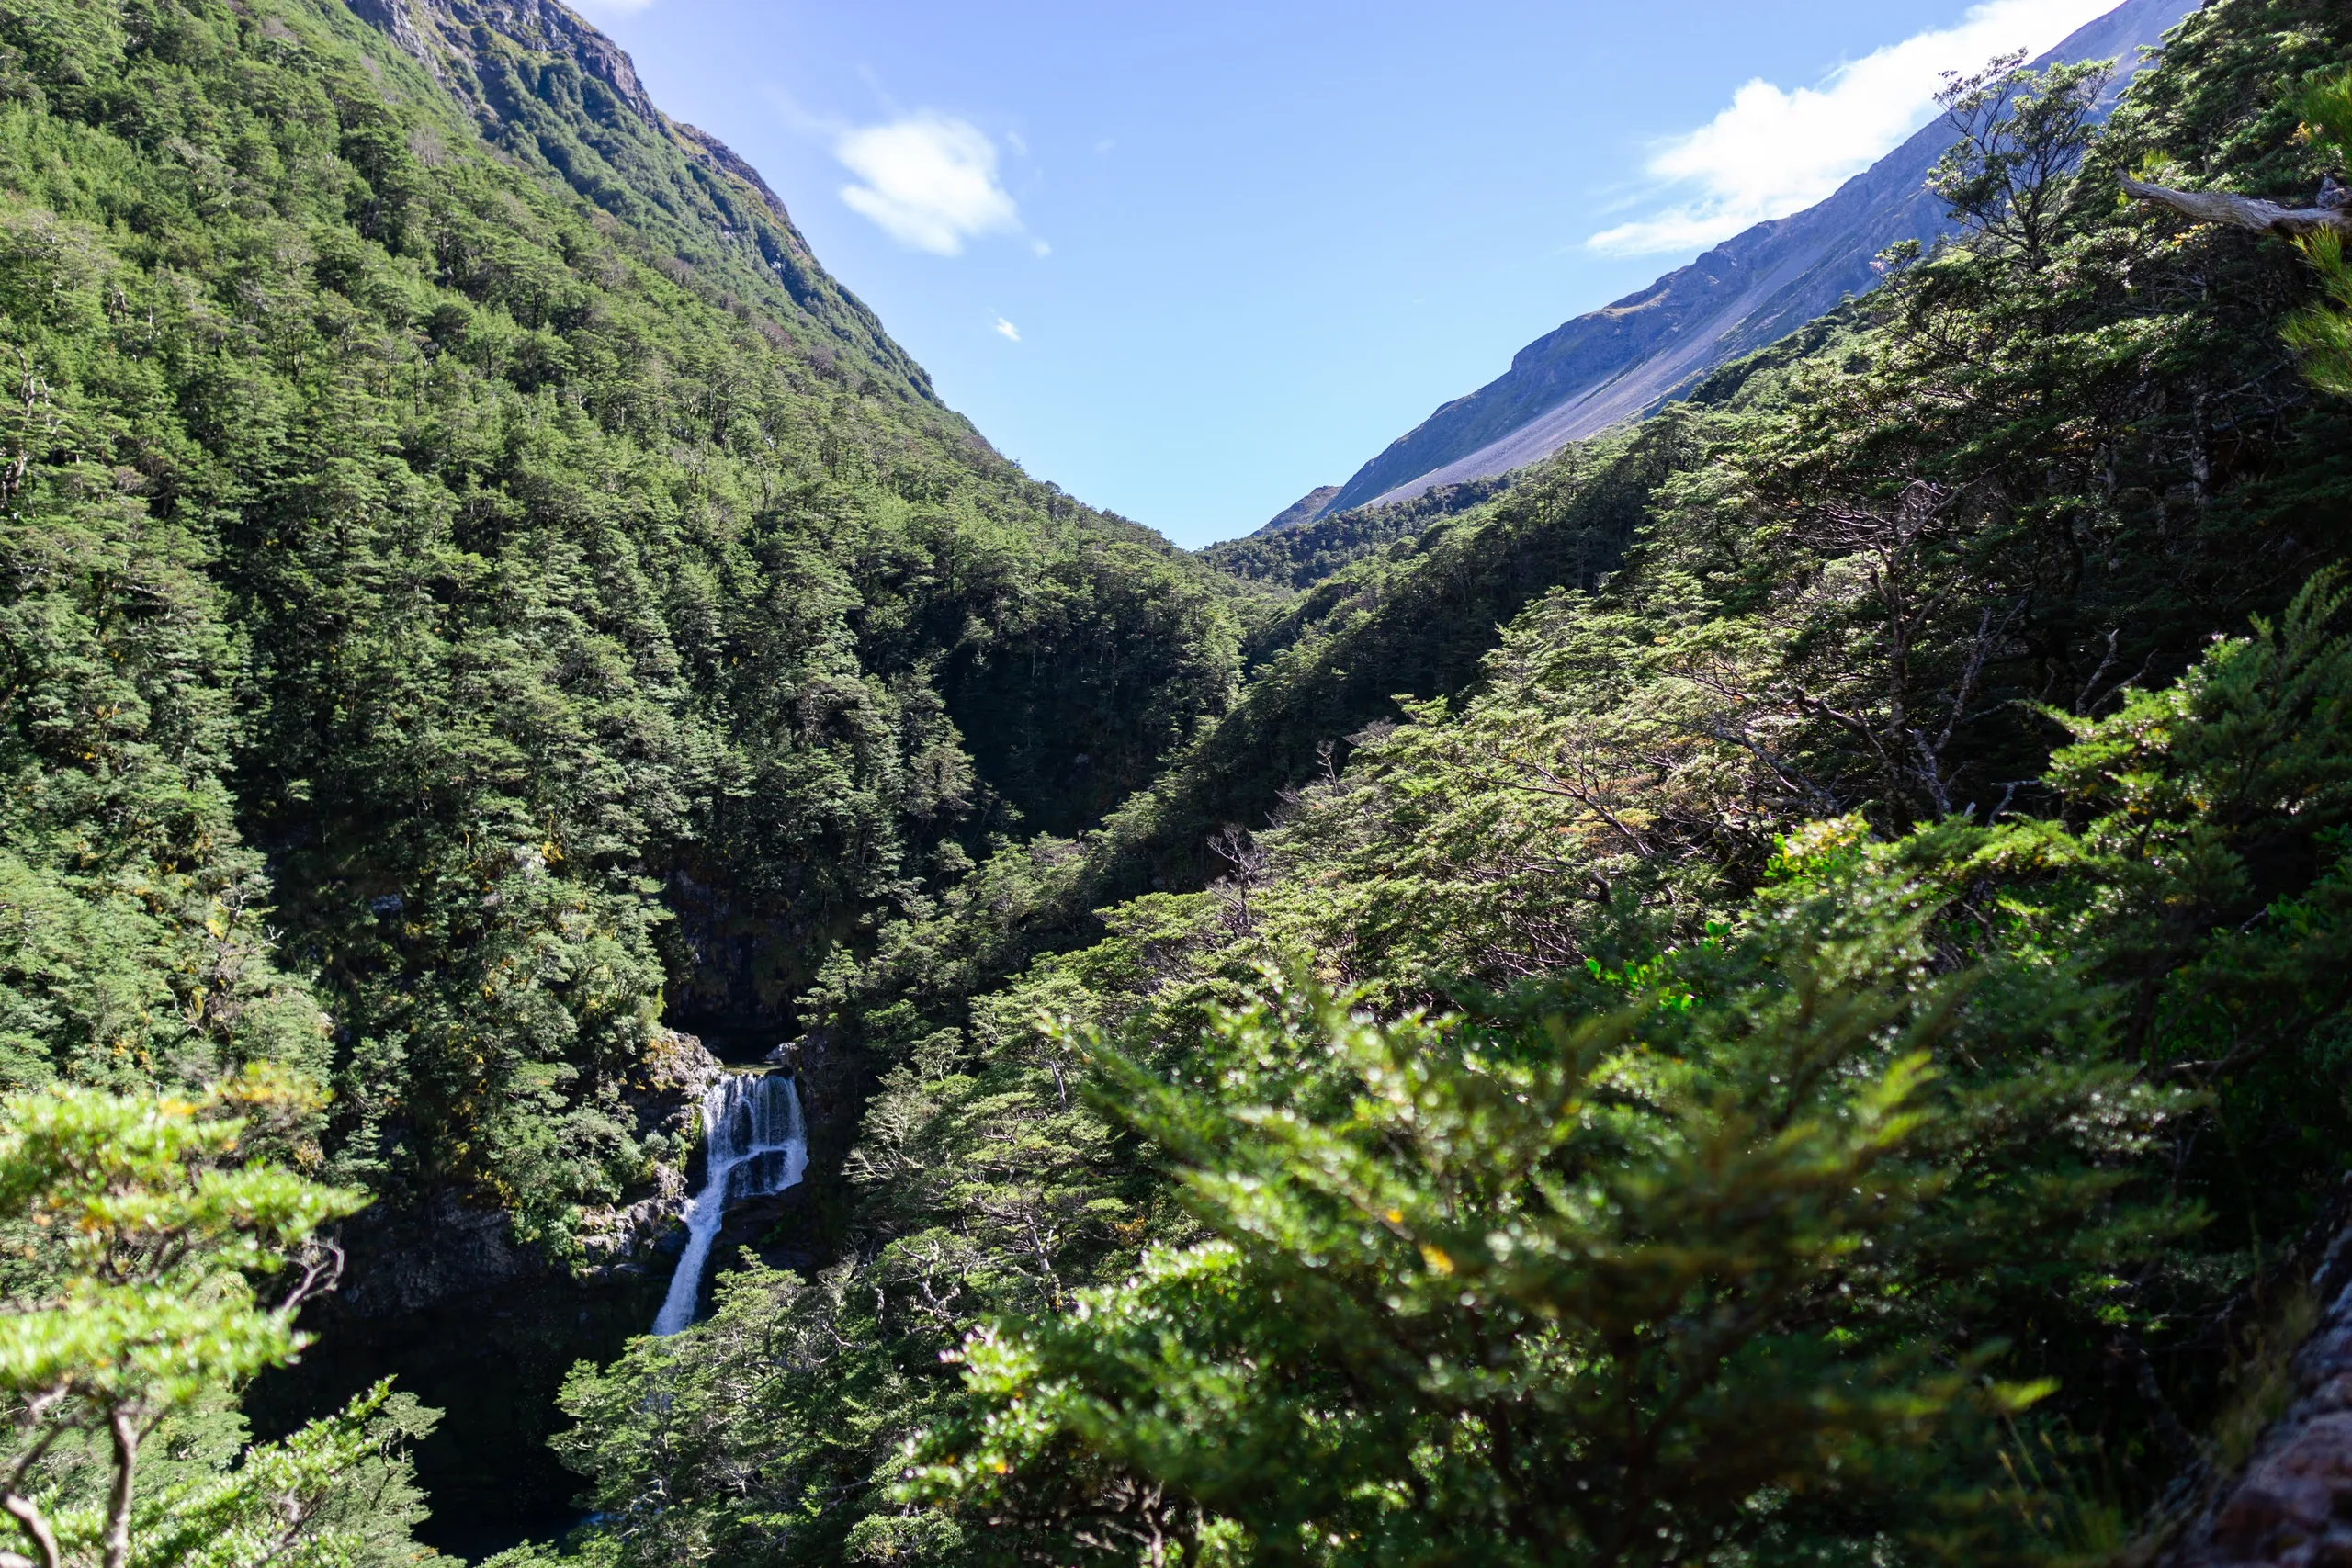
2083,698
1792,777
2245,211
318,1270
123,1427
2008,788
1553,784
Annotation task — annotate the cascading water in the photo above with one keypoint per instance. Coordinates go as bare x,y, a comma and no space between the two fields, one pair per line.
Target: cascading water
754,1143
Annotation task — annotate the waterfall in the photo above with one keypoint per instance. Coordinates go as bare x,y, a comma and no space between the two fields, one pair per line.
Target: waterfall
753,1143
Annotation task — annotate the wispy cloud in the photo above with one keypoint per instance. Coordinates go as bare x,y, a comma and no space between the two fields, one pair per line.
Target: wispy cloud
1772,152
1007,329
929,181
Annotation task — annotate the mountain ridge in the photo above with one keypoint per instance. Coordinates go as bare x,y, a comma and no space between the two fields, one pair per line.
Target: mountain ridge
1639,351
474,49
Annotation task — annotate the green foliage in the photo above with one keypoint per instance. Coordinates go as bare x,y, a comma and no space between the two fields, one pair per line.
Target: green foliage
1822,1193
525,554
336,1492
755,1420
1413,621
1335,668
2021,133
1726,758
146,1235
133,947
1304,554
139,1238
2323,331
2323,335
1632,1289
988,1186
470,583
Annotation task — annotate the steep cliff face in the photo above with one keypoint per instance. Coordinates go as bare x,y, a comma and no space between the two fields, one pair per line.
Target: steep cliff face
1630,355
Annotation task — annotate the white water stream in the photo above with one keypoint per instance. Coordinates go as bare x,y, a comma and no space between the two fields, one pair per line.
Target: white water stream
753,1143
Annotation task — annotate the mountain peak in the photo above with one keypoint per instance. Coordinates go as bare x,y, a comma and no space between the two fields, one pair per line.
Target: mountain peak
435,32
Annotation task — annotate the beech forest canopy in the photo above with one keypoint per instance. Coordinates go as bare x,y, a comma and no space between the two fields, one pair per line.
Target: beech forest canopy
1771,991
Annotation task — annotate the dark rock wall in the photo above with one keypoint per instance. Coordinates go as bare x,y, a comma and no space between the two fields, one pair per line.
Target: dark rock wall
2290,1506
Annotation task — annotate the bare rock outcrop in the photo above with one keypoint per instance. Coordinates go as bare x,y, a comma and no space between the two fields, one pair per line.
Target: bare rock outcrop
1619,362
2291,1504
666,1098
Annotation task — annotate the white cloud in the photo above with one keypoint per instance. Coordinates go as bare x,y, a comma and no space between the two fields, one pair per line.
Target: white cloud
1040,249
1007,329
929,181
1772,152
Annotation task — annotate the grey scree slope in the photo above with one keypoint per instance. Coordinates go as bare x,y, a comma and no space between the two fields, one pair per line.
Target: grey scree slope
1755,288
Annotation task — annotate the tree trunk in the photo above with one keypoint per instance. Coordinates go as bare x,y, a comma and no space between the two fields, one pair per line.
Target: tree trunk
126,1461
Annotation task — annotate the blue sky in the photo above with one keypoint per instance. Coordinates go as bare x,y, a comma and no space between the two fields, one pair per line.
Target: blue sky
1190,261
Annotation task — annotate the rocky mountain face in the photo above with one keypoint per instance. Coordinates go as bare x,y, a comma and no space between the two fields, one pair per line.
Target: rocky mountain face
2281,1496
1629,357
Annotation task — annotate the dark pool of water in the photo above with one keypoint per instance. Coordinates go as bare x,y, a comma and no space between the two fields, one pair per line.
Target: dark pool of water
492,1364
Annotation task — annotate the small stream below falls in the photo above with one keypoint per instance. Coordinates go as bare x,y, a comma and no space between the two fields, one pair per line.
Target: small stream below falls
754,1143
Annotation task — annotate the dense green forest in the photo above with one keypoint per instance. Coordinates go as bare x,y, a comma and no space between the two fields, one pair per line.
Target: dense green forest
1818,1045
1299,555
481,555
1772,990
475,588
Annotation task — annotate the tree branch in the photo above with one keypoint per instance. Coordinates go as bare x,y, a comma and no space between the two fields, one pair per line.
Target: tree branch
124,1427
29,1518
2245,211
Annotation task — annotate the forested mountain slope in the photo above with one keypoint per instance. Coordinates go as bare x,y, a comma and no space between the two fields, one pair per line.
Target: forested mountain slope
1300,550
455,515
1821,1046
477,592
1300,511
